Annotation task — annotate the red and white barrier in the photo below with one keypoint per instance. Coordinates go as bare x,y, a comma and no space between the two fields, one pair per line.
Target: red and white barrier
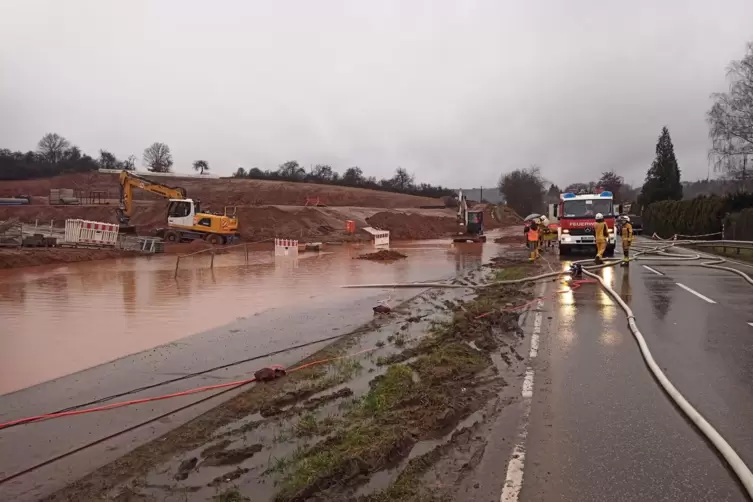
286,247
91,233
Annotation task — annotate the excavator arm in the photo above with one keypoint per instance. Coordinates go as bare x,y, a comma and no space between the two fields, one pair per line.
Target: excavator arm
129,181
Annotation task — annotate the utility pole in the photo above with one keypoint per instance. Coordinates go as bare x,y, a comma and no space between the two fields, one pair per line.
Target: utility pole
481,195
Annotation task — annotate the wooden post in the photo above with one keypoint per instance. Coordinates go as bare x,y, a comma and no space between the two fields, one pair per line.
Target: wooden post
211,263
177,262
245,246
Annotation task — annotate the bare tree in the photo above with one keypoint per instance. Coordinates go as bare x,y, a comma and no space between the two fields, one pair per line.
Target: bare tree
129,164
353,176
612,182
523,190
402,180
52,146
731,121
107,160
201,165
158,158
291,171
322,172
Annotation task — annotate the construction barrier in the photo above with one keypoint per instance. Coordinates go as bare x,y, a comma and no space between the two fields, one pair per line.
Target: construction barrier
379,238
350,226
382,239
286,247
91,233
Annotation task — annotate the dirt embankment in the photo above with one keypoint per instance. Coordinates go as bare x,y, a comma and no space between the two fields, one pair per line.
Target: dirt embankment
404,226
265,209
16,258
256,222
222,192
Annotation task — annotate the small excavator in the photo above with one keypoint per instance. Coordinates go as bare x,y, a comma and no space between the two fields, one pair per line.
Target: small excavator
185,219
472,222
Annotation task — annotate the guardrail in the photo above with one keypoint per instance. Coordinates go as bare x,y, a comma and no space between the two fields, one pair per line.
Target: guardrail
726,244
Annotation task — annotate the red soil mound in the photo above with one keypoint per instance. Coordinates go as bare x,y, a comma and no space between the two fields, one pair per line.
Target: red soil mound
14,258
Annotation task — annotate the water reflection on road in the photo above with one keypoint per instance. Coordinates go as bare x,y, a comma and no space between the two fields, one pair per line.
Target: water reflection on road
60,319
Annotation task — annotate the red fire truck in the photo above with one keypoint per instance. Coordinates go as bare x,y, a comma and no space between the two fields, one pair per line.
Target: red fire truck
576,214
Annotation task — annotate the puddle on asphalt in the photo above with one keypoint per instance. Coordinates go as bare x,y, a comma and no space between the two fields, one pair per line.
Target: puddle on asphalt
60,319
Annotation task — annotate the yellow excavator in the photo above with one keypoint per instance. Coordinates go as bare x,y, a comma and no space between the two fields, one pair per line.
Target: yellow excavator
185,219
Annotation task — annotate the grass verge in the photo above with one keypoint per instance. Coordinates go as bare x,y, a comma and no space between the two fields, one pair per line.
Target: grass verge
410,402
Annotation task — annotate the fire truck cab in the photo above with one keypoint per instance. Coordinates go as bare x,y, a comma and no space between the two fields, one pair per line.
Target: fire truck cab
577,216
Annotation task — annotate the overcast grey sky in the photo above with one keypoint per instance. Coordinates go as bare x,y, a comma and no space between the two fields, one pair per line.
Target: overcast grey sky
456,91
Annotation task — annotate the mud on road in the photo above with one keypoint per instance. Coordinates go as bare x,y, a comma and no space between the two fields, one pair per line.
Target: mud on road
396,413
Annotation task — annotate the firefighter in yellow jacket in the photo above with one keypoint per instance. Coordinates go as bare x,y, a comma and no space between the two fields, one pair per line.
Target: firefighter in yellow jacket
627,239
601,232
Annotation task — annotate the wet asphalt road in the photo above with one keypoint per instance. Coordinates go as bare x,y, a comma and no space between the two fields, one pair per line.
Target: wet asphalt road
601,428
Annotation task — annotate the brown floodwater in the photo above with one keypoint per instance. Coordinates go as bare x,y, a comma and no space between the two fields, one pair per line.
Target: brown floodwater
56,320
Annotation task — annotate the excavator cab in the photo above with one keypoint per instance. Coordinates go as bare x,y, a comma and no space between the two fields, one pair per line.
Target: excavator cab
475,222
181,212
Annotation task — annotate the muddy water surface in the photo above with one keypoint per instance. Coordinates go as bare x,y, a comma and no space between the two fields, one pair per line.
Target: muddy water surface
56,320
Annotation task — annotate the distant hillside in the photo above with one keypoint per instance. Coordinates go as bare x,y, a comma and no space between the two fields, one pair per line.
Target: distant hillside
489,194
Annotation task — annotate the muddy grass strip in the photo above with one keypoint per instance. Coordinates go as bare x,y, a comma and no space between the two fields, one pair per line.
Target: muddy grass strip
444,379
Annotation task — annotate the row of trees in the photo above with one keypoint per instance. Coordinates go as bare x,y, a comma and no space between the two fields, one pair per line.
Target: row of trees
55,155
402,181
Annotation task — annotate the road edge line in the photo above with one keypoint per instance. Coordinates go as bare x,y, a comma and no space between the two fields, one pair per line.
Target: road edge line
516,465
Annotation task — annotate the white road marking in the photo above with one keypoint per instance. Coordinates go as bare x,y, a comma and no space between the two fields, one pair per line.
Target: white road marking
699,295
536,331
652,270
514,477
528,383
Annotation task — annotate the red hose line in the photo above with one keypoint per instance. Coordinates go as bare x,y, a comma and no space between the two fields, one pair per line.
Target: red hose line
188,392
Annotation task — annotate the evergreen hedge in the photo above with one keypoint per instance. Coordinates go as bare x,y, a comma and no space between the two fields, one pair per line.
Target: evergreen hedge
739,226
702,215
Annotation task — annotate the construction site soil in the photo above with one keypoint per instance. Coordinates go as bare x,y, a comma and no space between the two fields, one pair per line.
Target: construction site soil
265,210
15,258
218,192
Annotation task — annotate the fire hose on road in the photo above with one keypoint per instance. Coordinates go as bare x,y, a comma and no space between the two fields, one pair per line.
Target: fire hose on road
659,253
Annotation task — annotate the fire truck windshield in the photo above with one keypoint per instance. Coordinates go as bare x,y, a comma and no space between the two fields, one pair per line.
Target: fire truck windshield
586,208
